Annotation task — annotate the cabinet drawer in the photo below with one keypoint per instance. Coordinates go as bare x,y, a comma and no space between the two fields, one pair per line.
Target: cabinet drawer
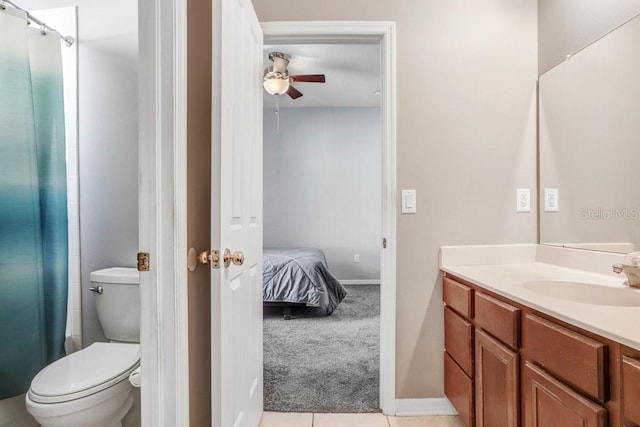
548,402
458,340
498,318
631,389
458,387
458,297
575,358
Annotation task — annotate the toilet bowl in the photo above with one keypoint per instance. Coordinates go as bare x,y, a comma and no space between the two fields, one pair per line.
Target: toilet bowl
87,388
91,388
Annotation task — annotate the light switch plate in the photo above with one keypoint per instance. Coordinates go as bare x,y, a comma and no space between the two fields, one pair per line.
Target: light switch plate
409,201
523,200
551,202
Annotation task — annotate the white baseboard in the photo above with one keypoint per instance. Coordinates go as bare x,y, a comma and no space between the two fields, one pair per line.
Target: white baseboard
359,281
417,407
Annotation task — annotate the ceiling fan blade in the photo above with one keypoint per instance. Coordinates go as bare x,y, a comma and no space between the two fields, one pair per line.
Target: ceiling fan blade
309,78
294,93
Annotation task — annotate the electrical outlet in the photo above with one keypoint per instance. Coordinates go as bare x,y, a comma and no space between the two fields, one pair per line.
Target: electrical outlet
523,200
551,201
356,258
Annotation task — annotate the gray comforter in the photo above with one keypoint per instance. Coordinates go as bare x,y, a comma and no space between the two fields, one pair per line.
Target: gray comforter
300,275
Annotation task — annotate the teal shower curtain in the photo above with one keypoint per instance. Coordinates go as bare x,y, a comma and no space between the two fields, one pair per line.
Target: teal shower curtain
33,203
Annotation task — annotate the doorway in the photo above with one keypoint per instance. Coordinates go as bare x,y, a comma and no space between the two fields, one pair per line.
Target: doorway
162,231
281,36
323,231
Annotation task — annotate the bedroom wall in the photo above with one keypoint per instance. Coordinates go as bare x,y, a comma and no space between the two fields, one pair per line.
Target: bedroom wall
323,185
566,26
466,140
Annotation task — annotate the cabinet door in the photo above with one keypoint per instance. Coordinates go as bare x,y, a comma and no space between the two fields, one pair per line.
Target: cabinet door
497,387
547,402
631,389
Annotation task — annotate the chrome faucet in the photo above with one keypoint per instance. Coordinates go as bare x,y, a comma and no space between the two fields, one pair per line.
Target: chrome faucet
631,269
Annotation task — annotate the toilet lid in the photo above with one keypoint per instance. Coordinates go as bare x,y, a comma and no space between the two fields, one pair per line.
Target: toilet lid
85,372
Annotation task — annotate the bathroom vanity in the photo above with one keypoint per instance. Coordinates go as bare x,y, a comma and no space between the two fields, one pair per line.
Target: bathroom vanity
530,340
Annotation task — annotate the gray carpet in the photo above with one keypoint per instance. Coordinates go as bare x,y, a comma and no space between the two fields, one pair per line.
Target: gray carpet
315,363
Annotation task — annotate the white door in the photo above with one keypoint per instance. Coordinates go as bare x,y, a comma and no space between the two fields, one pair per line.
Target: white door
236,310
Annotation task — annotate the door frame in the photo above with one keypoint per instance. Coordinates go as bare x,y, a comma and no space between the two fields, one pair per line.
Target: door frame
337,32
162,192
162,189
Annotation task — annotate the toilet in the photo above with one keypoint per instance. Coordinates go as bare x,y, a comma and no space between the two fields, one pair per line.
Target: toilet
91,387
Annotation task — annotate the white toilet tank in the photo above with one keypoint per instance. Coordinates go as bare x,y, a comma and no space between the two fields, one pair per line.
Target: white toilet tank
118,302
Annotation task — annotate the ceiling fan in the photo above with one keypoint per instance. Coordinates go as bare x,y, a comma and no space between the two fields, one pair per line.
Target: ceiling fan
277,80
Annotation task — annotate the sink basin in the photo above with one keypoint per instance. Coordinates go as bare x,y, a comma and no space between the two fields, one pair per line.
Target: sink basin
586,293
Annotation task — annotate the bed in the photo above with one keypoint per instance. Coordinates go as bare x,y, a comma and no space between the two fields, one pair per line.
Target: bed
299,276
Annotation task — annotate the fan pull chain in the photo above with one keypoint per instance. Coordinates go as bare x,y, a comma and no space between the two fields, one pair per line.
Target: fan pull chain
277,115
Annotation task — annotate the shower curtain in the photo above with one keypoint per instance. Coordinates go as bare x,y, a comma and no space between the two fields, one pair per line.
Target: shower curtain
33,203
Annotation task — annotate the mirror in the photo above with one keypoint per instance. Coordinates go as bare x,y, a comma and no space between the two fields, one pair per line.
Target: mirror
589,149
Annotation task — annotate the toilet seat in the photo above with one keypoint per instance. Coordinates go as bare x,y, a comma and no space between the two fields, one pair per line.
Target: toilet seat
85,372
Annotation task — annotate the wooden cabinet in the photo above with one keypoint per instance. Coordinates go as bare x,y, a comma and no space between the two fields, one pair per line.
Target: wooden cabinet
458,340
458,345
500,319
631,390
458,297
577,359
458,387
548,402
496,383
507,364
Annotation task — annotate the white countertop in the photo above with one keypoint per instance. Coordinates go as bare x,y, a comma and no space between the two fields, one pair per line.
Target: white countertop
616,322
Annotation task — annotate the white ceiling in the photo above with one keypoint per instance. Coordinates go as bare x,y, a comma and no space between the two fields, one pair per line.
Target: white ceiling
352,73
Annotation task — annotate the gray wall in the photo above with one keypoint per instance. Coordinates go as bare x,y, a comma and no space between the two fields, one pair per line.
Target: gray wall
466,141
108,139
566,26
323,185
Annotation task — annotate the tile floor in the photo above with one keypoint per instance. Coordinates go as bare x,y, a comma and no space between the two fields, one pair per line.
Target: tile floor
289,419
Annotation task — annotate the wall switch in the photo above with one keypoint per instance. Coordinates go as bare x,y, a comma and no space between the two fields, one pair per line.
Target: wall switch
523,200
551,200
408,201
356,258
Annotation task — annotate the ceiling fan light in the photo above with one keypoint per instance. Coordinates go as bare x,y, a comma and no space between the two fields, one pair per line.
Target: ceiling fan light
276,85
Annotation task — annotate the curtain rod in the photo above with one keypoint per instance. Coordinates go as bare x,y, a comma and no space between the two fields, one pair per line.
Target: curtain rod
68,40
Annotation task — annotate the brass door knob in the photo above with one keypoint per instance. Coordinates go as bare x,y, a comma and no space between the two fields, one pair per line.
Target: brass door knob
237,258
204,257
